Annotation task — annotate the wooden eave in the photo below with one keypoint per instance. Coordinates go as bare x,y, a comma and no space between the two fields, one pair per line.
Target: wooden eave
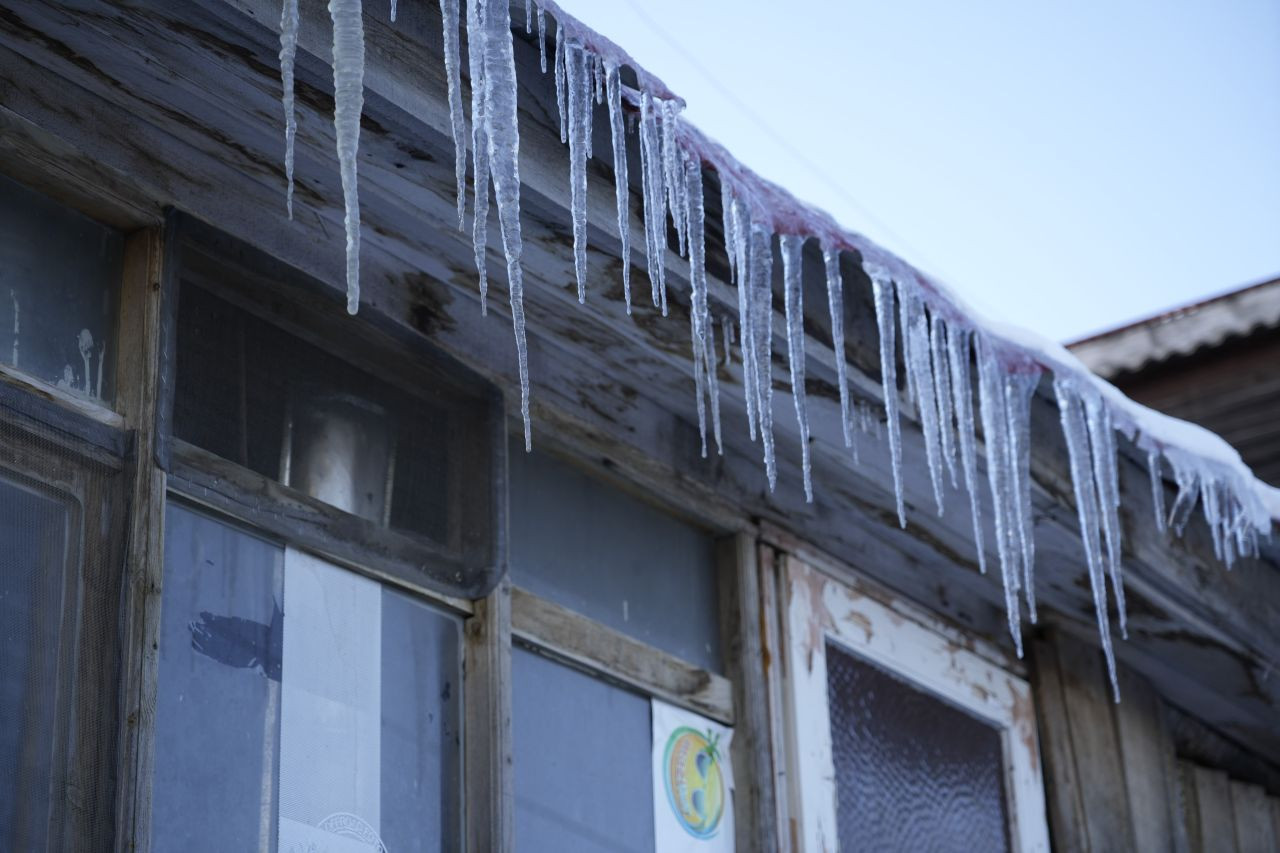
129,107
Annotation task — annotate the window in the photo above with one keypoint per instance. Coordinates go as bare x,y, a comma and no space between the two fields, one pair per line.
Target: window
905,736
299,703
59,293
615,605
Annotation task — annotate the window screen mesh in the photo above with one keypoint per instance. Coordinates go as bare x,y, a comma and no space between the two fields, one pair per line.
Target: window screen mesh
60,528
912,772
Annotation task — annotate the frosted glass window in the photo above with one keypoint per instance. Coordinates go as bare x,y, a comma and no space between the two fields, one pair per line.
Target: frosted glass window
912,772
299,703
33,566
612,557
582,763
59,288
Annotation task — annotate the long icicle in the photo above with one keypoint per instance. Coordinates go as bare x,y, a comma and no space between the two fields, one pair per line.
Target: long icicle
1019,390
886,319
348,103
1076,432
1102,442
916,356
449,20
655,200
735,246
946,402
995,431
578,86
793,303
288,53
1157,487
622,187
691,177
962,394
476,37
761,283
560,72
835,304
542,39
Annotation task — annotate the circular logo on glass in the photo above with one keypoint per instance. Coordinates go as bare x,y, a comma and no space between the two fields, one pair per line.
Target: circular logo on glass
695,786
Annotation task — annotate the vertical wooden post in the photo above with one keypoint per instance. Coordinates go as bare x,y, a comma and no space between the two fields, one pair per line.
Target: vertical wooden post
742,625
489,791
774,657
137,380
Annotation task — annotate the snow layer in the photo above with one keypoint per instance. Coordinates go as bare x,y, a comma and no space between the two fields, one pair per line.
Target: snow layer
939,334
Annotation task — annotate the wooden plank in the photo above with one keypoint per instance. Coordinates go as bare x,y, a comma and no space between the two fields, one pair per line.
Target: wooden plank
1150,767
137,367
1096,747
1210,818
741,627
581,641
489,799
1063,793
773,653
1252,816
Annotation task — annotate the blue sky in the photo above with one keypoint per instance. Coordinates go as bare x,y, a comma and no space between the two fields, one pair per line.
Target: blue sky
1067,167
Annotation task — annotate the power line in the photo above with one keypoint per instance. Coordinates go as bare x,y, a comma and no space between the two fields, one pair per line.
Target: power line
767,128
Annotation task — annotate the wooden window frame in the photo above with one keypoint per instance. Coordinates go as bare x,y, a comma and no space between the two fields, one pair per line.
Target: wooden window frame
965,672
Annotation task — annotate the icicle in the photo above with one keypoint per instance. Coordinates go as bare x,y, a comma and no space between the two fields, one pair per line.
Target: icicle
348,102
962,394
288,52
476,37
761,280
691,177
655,197
393,11
995,430
882,287
622,187
671,172
1019,389
578,84
730,220
457,119
1157,487
727,325
1102,442
920,384
713,385
597,74
503,136
559,74
737,249
542,39
946,407
835,304
1076,432
793,303
528,17
1188,480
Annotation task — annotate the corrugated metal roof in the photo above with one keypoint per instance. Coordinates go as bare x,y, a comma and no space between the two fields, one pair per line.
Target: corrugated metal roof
1181,331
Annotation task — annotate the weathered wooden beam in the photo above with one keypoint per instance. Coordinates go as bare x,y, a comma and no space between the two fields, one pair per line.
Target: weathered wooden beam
583,642
487,750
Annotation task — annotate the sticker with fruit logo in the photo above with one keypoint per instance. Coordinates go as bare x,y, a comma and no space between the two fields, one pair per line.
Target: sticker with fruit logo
694,780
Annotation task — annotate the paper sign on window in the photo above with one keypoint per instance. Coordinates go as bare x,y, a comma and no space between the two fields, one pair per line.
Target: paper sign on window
692,782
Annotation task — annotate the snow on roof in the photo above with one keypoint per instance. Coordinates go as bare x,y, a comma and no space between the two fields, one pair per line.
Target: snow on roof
941,338
1181,331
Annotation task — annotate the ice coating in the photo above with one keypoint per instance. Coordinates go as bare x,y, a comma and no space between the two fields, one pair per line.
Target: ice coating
288,53
793,305
578,93
622,187
449,21
348,103
835,305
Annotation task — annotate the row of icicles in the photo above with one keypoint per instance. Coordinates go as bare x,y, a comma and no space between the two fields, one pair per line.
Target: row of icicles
937,352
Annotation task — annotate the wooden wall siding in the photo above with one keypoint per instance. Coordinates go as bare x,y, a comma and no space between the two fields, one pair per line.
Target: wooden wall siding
178,104
1223,815
1110,770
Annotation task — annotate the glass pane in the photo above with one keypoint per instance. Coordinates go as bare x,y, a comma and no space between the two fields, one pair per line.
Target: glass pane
607,555
34,531
299,703
59,285
912,772
582,761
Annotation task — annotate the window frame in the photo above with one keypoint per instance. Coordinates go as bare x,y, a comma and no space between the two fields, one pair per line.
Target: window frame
915,646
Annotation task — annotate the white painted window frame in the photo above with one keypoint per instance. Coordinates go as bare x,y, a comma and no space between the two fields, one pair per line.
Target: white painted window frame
916,647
